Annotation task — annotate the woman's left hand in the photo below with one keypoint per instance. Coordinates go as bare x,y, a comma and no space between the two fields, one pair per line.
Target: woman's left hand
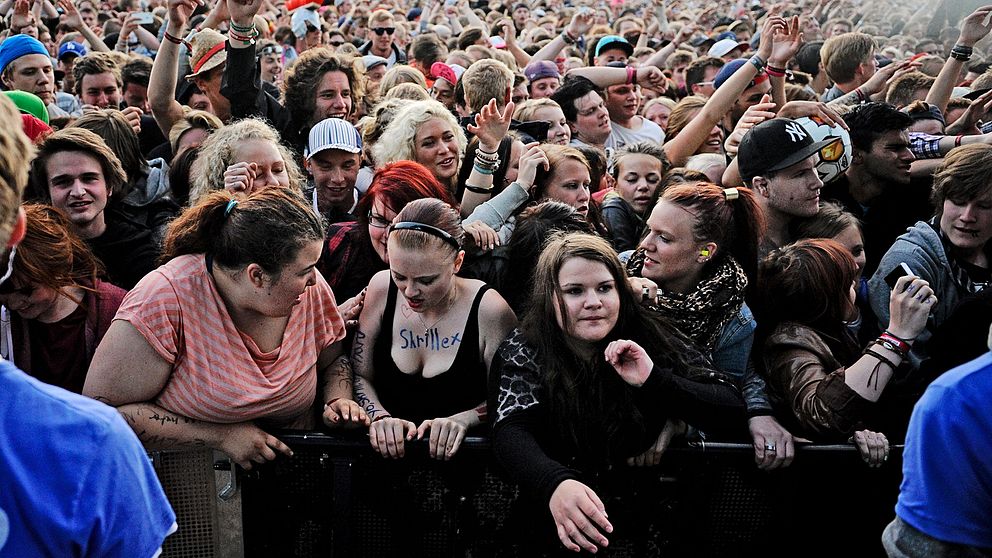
446,435
874,447
630,361
491,125
344,413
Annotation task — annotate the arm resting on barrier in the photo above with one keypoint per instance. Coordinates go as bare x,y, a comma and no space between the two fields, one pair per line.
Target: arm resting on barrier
243,442
340,408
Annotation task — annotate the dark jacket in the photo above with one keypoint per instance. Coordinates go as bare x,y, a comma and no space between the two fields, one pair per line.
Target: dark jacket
400,56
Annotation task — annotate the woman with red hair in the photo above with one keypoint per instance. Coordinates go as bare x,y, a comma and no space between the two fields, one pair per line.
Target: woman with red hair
56,310
356,251
812,361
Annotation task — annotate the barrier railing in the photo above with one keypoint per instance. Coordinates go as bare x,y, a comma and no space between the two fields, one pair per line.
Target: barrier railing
336,497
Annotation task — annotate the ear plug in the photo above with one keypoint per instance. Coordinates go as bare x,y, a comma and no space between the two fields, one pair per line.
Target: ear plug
704,252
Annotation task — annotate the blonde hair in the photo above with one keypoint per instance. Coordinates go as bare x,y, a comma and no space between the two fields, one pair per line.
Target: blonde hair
526,110
192,119
397,142
217,153
842,54
16,153
486,80
401,74
409,91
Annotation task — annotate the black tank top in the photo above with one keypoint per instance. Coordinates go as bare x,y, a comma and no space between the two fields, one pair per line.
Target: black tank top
416,398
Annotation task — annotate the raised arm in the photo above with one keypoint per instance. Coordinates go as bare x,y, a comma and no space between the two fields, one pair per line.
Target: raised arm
580,24
162,82
490,126
72,18
127,373
973,29
695,133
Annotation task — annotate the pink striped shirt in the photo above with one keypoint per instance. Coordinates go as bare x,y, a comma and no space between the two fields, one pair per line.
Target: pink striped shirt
218,373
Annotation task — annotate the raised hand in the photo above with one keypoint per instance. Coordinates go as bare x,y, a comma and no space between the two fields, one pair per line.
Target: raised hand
242,11
491,125
630,361
976,26
909,307
532,158
769,28
581,23
70,13
180,12
785,43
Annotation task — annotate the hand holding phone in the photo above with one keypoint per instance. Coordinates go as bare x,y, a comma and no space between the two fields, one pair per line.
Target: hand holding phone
901,270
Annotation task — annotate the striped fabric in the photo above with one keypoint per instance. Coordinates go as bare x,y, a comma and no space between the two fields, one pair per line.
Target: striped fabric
219,374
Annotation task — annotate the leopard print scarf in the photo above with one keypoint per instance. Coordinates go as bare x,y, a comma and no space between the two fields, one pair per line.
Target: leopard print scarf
702,313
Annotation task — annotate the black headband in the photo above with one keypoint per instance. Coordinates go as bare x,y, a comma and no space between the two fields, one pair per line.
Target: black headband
428,229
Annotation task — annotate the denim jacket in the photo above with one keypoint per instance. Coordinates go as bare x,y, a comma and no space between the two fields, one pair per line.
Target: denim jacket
732,355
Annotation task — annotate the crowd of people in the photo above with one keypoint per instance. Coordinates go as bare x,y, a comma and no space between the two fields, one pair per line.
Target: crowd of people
584,229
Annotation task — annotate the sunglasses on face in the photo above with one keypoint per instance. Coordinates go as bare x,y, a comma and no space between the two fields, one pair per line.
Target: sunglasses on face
336,43
384,30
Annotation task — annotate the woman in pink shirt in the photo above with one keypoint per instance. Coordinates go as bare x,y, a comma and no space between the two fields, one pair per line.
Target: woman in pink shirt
229,337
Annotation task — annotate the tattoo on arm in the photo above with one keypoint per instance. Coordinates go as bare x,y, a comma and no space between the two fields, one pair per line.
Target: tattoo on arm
358,349
364,400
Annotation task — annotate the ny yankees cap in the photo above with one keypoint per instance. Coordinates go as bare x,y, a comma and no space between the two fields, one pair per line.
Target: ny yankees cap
774,145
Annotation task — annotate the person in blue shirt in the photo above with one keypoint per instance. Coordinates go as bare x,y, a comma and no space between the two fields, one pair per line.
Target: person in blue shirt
74,479
945,501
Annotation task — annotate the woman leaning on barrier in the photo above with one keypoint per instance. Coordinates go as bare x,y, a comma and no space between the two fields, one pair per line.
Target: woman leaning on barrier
587,383
810,356
426,337
694,268
231,334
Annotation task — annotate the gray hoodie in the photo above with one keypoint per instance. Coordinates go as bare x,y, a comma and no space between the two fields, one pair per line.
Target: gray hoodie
921,249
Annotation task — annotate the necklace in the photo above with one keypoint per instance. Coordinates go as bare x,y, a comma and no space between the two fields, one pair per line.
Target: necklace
427,328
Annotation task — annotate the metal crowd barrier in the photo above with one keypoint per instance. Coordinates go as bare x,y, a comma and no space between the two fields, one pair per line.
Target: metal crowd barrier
336,497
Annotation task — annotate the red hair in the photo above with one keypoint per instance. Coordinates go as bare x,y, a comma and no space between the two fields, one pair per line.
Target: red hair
399,183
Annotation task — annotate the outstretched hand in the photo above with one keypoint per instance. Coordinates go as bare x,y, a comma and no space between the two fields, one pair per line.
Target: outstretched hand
976,26
491,125
785,43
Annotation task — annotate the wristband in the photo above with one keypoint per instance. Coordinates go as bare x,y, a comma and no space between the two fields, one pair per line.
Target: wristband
569,40
893,344
331,402
775,72
177,40
957,140
757,62
631,75
478,190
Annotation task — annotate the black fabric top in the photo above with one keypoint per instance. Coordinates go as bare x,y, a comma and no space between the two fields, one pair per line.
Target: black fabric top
416,398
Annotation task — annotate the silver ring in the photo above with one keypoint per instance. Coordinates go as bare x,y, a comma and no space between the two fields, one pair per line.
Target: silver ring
769,447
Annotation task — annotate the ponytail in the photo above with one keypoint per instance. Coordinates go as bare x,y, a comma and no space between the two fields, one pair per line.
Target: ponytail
267,228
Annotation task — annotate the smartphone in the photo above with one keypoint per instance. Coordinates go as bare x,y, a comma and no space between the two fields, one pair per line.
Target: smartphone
900,271
144,18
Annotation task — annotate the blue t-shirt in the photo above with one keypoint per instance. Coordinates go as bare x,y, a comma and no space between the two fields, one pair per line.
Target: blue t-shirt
946,490
74,479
